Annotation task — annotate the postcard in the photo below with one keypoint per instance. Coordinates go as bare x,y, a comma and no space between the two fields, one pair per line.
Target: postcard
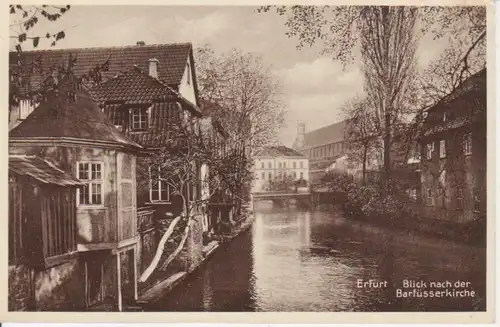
269,163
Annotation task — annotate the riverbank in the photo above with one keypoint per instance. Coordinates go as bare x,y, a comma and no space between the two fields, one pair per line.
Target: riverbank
471,233
161,288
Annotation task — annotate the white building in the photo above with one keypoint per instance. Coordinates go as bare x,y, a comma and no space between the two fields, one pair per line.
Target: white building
277,162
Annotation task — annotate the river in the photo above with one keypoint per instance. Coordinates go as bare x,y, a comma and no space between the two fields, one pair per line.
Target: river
293,260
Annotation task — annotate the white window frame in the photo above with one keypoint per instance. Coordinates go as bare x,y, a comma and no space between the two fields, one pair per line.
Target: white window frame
442,149
160,200
301,164
25,108
262,165
91,182
429,150
146,121
467,143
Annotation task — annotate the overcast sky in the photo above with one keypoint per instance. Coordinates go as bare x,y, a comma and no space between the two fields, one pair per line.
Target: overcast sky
315,86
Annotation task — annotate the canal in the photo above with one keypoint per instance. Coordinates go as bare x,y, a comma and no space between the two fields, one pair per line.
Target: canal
293,260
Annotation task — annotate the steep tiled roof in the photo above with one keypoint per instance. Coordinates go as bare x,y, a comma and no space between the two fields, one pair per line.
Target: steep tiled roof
79,119
172,60
132,87
40,169
162,116
325,135
278,151
135,86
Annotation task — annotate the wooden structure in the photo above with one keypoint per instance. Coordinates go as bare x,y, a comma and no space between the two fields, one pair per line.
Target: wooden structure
71,130
42,213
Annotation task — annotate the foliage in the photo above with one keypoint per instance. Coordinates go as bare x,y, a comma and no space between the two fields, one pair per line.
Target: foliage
386,38
281,182
463,28
244,94
25,18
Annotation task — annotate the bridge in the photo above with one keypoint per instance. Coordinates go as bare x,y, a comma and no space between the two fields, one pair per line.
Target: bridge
284,197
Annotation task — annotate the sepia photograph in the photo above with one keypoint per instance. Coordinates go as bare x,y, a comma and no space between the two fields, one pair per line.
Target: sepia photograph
243,158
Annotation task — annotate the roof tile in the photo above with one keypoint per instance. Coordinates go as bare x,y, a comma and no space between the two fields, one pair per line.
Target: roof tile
172,61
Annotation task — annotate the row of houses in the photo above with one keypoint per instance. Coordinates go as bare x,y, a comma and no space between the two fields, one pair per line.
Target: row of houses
445,175
81,227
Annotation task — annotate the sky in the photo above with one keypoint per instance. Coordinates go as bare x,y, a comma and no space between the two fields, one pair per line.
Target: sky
314,86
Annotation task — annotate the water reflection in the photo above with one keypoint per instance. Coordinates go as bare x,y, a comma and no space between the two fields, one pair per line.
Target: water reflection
311,261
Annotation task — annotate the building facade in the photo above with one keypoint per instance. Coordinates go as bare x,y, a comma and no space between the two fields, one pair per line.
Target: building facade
276,163
453,154
88,237
323,147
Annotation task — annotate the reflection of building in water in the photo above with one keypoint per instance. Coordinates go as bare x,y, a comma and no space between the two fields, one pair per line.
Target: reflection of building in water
304,226
278,241
207,291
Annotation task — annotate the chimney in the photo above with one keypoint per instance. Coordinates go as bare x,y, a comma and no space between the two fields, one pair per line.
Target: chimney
153,67
139,43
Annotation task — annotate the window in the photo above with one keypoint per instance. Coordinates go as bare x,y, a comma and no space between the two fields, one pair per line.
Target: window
284,165
301,164
188,72
430,149
301,175
139,118
442,149
91,193
270,175
476,200
269,165
294,175
294,165
468,143
26,107
459,199
263,175
262,165
412,194
159,189
444,116
429,197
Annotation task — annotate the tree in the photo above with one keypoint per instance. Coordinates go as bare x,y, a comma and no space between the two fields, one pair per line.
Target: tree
362,134
186,146
243,93
386,38
23,22
463,28
25,18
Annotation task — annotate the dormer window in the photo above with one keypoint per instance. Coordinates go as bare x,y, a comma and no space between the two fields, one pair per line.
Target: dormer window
140,120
